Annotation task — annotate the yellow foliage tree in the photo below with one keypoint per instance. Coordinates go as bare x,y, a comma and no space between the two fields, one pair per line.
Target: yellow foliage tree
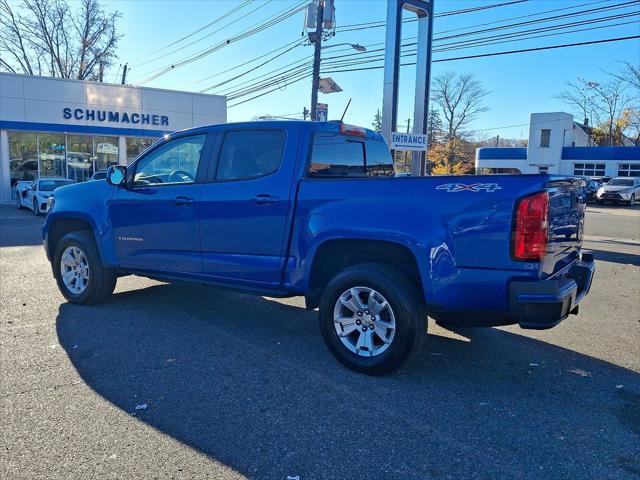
453,157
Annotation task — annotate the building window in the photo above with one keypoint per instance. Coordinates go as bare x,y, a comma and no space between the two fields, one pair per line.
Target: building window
629,170
589,169
80,157
137,145
52,158
106,152
545,137
497,171
23,157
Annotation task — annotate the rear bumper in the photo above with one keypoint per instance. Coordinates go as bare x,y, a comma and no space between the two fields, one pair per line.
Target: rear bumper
543,304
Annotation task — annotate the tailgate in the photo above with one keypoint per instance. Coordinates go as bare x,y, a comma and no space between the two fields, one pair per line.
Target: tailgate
567,205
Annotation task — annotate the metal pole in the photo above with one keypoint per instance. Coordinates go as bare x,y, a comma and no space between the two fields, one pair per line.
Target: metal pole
316,60
423,81
124,74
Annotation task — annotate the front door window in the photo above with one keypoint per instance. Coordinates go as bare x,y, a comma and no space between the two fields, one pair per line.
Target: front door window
173,163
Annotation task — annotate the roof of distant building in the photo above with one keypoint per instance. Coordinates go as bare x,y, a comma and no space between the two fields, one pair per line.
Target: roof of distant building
568,153
502,153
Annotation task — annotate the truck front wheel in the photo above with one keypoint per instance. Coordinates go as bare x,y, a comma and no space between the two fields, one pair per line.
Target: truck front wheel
79,272
372,318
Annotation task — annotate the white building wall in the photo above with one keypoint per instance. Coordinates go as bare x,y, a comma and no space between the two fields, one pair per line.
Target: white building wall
42,104
43,100
561,126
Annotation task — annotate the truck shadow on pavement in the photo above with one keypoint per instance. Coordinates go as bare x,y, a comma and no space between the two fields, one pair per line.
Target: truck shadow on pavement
248,382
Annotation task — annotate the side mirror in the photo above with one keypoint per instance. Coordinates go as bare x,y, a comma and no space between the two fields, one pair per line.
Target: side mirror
117,175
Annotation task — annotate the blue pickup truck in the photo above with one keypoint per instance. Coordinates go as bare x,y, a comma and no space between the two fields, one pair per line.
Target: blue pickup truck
315,210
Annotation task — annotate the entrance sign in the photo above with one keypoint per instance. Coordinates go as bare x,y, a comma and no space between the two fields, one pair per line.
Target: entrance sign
408,142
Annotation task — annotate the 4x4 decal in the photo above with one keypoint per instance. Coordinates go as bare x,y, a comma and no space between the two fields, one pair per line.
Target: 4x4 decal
474,187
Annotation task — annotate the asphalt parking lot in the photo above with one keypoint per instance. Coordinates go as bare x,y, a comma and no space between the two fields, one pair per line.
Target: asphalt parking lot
234,386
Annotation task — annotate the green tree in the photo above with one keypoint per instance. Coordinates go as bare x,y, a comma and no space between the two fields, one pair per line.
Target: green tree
377,121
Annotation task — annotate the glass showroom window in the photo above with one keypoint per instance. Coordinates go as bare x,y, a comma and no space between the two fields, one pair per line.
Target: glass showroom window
106,149
629,170
80,157
51,149
137,145
589,169
23,157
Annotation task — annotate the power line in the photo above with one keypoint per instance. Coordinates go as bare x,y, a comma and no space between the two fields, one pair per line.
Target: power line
491,54
338,60
381,23
508,52
476,41
221,17
179,49
252,69
247,62
252,30
162,70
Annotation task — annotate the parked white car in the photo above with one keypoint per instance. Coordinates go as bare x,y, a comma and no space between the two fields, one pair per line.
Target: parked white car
620,189
35,194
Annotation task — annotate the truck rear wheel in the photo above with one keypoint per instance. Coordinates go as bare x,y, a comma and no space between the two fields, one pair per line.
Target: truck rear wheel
78,269
372,318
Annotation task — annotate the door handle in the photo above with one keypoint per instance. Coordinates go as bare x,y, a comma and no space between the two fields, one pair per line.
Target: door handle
264,199
183,200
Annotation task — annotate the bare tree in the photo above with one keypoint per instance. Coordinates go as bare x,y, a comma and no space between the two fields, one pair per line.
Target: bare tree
611,102
631,75
580,97
460,98
45,37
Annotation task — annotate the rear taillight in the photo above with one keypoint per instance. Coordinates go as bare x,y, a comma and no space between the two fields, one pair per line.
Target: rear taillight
531,225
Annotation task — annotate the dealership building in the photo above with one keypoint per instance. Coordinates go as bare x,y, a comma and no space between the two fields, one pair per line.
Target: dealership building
53,127
557,144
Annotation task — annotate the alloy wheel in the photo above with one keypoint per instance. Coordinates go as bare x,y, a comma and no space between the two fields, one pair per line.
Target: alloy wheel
74,268
364,321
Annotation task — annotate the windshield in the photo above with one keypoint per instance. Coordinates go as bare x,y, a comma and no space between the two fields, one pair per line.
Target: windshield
620,182
51,185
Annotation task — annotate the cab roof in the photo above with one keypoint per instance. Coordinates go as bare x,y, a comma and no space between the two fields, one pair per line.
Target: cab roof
332,126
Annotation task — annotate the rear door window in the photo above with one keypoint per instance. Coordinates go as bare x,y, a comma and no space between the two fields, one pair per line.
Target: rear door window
336,156
250,154
341,156
379,162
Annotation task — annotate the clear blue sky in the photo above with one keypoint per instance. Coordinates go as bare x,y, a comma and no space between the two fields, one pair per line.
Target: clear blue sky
519,84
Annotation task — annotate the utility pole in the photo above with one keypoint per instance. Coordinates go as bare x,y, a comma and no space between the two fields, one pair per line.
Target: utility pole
316,39
100,71
124,74
305,112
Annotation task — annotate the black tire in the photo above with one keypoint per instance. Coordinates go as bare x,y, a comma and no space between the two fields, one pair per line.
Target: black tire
35,208
18,202
632,200
102,281
405,299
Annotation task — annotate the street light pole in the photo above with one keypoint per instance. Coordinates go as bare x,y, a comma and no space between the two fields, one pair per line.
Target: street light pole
317,41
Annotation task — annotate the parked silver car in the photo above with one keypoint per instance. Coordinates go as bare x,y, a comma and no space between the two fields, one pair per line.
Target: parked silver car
620,190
